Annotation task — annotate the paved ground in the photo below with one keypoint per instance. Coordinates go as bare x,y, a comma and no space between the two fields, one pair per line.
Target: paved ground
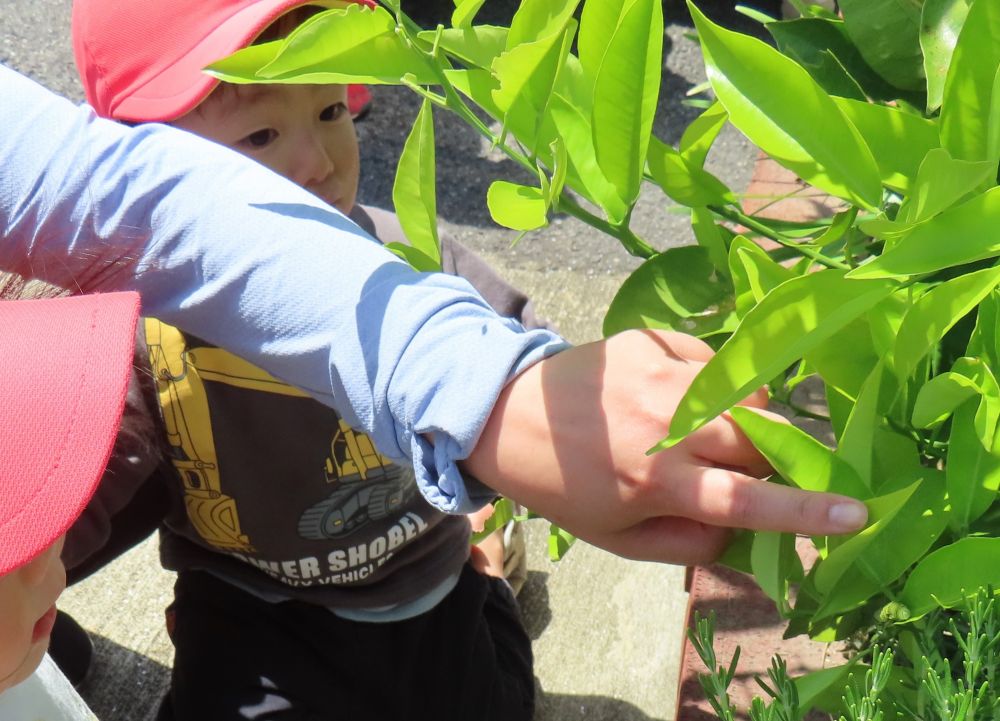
606,631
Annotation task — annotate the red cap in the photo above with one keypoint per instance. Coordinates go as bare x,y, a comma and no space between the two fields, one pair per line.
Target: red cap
64,371
142,60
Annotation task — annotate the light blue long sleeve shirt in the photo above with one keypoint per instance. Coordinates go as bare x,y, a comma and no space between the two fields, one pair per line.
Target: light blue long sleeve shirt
238,256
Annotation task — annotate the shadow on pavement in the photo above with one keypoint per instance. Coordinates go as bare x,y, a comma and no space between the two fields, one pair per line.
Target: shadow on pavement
568,707
123,685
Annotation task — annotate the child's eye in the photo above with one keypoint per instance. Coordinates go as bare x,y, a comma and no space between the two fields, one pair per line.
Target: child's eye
259,139
333,112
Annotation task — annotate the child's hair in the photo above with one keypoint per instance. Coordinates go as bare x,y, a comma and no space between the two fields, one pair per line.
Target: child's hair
157,76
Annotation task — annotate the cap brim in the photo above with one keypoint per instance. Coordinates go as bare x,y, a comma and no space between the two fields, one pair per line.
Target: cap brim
179,88
65,365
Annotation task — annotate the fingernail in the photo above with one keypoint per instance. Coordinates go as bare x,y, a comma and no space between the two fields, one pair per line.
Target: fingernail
849,516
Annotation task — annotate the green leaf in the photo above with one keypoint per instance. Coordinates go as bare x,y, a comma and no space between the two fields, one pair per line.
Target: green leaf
683,181
825,687
793,319
968,88
941,22
798,457
881,511
504,512
934,313
942,182
417,259
986,335
774,563
626,90
913,530
519,207
465,11
762,273
794,121
477,46
845,359
528,71
951,574
959,235
737,553
940,396
337,46
888,36
713,238
477,85
536,19
701,133
413,193
678,290
560,542
858,437
973,472
824,50
898,140
573,124
842,222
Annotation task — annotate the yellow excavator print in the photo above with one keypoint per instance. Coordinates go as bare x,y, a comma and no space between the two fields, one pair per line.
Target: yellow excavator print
180,376
368,487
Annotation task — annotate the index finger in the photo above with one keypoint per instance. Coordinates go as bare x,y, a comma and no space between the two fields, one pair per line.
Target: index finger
727,498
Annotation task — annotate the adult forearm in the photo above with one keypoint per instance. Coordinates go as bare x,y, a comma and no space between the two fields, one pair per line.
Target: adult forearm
232,253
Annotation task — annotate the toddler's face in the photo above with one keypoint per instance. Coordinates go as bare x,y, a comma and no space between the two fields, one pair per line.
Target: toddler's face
27,612
303,132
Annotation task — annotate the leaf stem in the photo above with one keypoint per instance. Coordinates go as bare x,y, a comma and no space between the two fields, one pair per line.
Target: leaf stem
762,229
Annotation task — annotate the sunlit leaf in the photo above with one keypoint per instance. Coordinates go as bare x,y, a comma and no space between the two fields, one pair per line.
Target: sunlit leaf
940,396
898,140
476,46
701,133
959,235
626,90
465,11
684,181
935,313
413,193
941,21
794,121
519,207
951,574
968,88
798,457
793,319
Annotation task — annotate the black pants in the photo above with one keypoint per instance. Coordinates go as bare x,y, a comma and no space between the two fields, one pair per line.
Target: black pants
239,658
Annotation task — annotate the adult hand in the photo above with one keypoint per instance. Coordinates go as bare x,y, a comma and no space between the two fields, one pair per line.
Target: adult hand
568,439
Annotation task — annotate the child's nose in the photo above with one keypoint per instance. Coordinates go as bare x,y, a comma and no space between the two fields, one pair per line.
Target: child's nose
314,164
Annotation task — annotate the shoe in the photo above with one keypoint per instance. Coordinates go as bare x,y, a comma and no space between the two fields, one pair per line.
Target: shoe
515,555
71,648
359,101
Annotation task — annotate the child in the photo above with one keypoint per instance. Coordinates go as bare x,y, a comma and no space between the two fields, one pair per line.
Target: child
65,365
284,516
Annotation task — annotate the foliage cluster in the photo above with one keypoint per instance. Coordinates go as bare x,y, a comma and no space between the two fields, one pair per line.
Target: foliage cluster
892,303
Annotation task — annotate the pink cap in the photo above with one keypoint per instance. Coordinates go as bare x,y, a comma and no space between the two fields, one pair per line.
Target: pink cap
142,60
64,370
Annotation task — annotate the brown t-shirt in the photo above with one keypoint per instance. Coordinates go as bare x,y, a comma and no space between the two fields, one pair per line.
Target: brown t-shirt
277,493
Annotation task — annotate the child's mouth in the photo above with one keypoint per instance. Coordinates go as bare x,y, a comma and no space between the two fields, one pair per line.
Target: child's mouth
43,627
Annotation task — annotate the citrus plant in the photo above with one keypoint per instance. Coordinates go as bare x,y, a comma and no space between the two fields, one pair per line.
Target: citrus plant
892,303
